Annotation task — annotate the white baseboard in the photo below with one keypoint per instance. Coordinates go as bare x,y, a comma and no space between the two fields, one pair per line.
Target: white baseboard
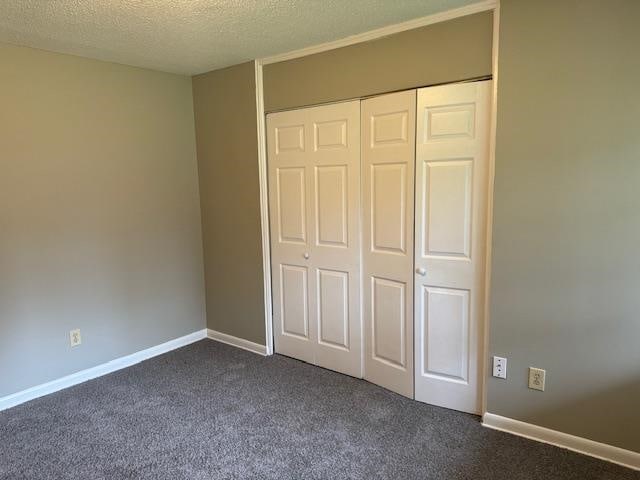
237,342
94,372
623,457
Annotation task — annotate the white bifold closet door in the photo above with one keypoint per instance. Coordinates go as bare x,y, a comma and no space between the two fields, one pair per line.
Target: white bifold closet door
452,153
388,154
314,206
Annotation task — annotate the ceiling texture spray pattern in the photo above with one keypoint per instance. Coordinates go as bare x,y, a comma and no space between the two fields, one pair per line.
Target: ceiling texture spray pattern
195,36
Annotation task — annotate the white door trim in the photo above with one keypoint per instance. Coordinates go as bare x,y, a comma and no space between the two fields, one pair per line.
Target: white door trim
484,367
481,6
264,209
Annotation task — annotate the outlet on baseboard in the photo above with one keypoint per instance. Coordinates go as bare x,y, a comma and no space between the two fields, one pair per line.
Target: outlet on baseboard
500,367
537,378
75,338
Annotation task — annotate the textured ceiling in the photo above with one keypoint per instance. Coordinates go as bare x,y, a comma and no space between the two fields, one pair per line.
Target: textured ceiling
195,36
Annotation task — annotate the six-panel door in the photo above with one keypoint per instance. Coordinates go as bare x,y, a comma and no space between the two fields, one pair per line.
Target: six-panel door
388,148
314,202
452,152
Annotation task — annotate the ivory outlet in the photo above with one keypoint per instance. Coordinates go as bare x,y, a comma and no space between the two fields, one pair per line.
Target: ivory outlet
500,367
75,338
537,378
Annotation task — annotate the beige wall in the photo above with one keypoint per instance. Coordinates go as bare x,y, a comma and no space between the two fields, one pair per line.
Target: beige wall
99,213
225,112
566,268
405,60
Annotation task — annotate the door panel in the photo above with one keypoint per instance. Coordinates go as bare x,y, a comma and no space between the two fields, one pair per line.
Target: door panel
388,207
289,138
331,134
333,308
291,204
449,122
388,322
451,189
331,206
446,338
389,128
314,204
294,301
388,154
447,208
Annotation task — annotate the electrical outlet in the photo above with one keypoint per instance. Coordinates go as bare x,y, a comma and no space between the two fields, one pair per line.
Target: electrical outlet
499,367
537,378
75,338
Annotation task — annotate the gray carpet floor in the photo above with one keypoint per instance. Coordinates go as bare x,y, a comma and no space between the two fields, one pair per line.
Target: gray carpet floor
210,411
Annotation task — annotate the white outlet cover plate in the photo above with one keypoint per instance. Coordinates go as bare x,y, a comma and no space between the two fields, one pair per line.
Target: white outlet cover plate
537,378
500,367
75,338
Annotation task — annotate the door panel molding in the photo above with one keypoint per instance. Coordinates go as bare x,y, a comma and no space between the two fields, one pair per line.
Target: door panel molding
388,322
333,309
292,203
332,230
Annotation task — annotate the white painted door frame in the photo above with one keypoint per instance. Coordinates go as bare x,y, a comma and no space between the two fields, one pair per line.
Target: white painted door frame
481,6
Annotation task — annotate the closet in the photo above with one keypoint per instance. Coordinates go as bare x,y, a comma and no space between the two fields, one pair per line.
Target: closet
378,226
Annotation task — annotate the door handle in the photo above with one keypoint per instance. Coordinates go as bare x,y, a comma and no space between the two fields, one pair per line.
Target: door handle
421,271
306,255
